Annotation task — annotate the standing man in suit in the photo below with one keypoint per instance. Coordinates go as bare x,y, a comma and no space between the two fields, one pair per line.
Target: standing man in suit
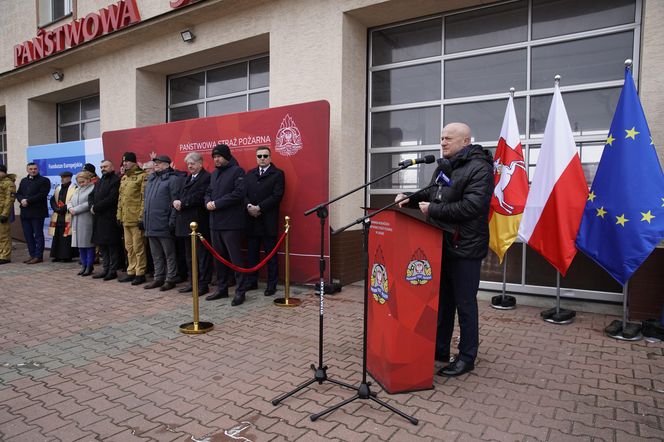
106,233
224,200
265,189
190,207
32,194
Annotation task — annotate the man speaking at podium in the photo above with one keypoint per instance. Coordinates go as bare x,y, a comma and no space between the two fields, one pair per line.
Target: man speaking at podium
459,204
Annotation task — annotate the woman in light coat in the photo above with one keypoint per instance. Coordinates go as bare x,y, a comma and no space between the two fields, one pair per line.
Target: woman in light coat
82,222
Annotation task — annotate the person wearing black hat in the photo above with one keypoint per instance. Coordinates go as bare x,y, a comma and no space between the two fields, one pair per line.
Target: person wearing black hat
7,195
106,233
32,194
130,216
60,226
159,221
88,167
224,199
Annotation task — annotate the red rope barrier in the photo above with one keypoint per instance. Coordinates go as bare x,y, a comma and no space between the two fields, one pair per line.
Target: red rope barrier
218,257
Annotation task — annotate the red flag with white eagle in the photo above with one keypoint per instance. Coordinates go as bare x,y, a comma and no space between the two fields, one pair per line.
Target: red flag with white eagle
511,186
558,192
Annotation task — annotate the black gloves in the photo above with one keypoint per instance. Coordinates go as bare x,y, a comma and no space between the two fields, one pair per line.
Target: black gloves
4,219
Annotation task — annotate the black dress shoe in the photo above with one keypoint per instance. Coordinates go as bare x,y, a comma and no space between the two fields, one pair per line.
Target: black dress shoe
110,276
138,280
4,261
127,278
238,299
154,284
269,292
168,285
88,271
99,275
457,368
80,272
216,295
203,290
186,289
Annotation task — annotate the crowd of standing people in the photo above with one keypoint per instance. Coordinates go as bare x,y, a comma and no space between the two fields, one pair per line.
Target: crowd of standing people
140,220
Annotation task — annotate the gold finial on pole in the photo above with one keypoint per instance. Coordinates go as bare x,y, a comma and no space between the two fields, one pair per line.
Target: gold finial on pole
287,301
196,327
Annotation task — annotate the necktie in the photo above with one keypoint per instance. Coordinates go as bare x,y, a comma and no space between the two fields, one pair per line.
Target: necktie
262,172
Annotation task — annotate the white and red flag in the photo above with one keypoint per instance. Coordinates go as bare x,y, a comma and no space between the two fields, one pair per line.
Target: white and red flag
511,185
558,192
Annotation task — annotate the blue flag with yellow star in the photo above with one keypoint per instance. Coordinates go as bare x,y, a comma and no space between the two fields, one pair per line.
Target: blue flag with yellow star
623,219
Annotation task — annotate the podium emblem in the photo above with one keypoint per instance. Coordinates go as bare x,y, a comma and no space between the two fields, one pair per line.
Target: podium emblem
289,139
379,282
419,269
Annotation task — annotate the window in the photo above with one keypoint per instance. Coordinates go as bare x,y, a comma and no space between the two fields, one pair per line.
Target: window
79,119
53,10
3,140
226,89
459,66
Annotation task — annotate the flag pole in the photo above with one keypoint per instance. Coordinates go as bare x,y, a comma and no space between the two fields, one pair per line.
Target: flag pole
504,301
558,315
624,330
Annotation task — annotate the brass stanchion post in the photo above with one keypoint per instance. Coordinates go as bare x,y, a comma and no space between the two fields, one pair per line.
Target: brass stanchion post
196,327
287,301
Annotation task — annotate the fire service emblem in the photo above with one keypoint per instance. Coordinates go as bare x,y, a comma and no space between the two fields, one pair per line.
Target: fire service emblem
379,282
289,139
419,269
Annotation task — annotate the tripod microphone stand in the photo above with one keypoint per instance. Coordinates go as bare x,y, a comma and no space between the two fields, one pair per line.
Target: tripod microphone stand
364,389
320,372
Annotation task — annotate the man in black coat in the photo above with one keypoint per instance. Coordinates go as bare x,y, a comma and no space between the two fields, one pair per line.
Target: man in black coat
224,200
460,205
32,194
190,207
106,232
265,189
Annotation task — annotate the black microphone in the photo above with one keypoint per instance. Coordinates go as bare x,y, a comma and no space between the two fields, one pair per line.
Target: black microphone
428,159
443,178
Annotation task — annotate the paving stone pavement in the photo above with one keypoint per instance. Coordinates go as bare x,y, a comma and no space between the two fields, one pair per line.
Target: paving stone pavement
82,359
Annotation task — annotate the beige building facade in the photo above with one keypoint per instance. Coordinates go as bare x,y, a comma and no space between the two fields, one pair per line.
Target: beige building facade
330,50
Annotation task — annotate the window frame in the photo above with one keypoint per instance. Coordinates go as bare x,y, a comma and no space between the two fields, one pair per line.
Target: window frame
246,93
70,5
80,122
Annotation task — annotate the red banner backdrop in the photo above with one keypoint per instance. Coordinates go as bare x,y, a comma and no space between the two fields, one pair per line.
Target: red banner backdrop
298,136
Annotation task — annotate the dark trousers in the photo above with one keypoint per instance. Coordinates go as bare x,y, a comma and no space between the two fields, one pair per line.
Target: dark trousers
254,248
228,244
204,262
110,257
459,283
33,230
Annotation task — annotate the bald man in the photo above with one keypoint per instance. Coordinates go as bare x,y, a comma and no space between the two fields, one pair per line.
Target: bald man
460,206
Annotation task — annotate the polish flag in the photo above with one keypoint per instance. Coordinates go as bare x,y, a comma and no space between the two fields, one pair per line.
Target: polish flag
558,193
511,186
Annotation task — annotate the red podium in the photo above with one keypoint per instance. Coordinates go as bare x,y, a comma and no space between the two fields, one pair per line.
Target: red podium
404,279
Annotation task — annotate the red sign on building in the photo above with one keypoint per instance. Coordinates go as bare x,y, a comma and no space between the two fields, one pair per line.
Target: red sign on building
110,19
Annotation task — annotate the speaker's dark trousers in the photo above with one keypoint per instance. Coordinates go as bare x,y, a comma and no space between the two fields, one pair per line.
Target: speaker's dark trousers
228,243
459,283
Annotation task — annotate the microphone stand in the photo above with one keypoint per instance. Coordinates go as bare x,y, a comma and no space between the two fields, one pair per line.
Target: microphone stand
320,372
364,389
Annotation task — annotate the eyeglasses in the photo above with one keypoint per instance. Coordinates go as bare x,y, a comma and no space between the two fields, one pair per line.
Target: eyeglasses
263,156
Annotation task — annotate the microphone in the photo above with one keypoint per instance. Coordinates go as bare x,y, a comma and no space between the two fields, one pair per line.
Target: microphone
442,179
428,159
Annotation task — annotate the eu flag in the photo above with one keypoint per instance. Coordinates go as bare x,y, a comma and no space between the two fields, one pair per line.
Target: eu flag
623,219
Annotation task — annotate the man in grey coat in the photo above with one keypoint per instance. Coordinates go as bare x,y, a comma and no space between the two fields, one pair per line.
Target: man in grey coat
159,221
